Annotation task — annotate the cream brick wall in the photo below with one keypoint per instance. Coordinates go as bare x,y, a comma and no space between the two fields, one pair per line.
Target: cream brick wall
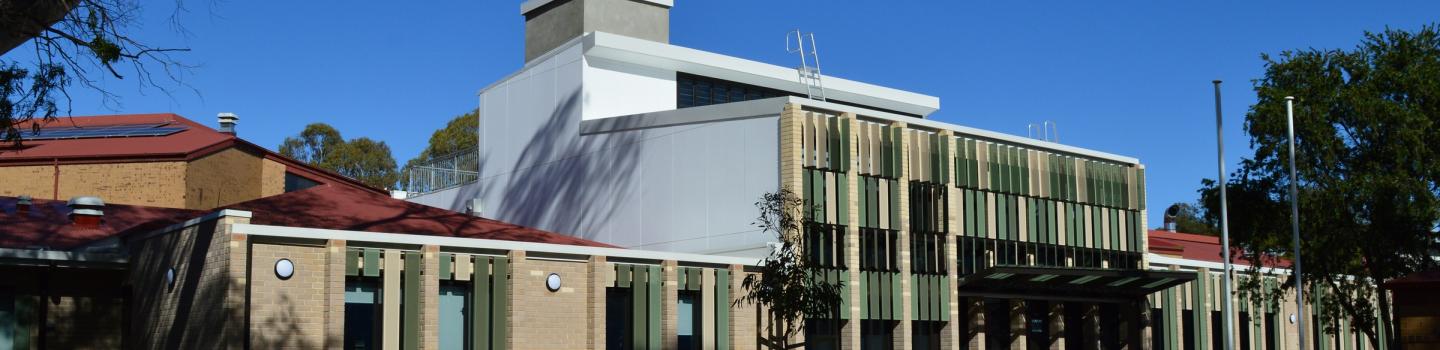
222,178
335,295
158,184
199,311
288,314
541,319
84,323
272,178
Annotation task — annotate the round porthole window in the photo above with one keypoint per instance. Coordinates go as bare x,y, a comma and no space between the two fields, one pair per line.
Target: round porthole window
284,268
552,282
170,278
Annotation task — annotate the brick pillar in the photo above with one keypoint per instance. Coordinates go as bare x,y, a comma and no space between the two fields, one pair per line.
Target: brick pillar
517,258
791,143
975,323
902,332
599,279
430,298
850,332
1057,325
335,292
954,330
669,303
745,323
237,306
1019,333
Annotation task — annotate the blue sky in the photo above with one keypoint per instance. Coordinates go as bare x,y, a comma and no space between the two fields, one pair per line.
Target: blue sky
1126,77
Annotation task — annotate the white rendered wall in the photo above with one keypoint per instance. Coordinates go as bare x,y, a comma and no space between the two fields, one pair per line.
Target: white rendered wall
686,188
613,88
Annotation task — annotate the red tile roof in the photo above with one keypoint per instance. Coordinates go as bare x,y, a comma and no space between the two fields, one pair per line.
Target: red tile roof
196,141
1196,247
47,224
344,208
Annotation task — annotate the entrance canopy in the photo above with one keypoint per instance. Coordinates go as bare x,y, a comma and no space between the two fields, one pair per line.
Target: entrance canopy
1069,283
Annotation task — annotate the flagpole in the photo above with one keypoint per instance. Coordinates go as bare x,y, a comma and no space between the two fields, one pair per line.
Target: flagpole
1228,310
1295,219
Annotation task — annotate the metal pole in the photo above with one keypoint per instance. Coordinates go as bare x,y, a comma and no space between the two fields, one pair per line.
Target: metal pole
1295,219
1229,310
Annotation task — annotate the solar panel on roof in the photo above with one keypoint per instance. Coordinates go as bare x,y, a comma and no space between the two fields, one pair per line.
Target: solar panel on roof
108,131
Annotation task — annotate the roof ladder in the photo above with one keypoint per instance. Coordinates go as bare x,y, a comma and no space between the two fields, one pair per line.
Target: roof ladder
809,62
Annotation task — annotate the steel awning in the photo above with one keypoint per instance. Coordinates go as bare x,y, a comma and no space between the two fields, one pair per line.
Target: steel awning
1069,283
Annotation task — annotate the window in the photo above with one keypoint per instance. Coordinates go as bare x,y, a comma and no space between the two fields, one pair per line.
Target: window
997,324
694,91
454,330
296,182
1187,320
1157,328
618,321
689,320
877,335
927,334
362,314
822,333
1244,326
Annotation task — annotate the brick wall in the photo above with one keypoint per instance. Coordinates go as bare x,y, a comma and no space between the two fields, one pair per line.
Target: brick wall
192,313
158,184
222,178
84,323
272,178
541,319
35,181
288,314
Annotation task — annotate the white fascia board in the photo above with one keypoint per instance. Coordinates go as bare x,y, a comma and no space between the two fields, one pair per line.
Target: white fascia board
1161,260
670,57
478,243
58,255
531,5
965,130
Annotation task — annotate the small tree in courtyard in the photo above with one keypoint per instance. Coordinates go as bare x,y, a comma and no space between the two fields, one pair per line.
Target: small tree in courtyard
788,286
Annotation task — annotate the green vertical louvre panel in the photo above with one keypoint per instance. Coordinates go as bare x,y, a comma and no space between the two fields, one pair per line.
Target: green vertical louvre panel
818,180
967,213
1001,231
844,146
992,182
944,143
896,302
897,151
1053,221
693,278
410,322
480,303
833,138
864,285
638,302
1140,188
842,200
372,262
722,309
1114,229
844,277
622,276
653,301
974,163
894,204
1202,314
885,151
446,260
500,305
1025,172
352,262
807,194
1031,228
917,298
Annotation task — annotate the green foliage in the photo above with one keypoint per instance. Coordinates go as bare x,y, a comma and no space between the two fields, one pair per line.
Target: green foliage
1369,182
362,159
461,134
787,285
70,39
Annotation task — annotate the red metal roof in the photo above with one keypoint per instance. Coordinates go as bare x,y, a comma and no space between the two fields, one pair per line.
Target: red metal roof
196,141
47,224
178,145
1197,247
344,208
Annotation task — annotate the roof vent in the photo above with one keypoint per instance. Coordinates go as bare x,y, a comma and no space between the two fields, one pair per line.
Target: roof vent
227,122
22,204
86,211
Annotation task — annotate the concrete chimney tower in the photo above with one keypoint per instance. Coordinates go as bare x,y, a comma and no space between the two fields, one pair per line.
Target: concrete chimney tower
550,23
